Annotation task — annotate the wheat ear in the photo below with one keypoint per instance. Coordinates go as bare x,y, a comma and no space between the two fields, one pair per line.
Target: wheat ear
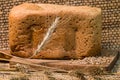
47,36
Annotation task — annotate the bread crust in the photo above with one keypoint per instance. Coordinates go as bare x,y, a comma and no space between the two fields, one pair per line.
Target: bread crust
78,37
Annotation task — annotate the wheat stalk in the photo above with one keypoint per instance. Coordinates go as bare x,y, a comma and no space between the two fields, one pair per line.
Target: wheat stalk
27,62
47,36
57,21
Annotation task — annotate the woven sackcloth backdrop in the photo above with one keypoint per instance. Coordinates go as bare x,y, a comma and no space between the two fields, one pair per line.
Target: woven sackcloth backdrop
110,18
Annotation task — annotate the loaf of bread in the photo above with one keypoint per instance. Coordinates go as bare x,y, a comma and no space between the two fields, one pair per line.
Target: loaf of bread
78,33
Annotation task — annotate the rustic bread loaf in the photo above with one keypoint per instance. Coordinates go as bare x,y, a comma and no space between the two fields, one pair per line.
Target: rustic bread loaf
78,33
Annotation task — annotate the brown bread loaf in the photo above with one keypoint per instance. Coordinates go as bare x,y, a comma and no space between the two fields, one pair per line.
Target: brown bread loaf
78,33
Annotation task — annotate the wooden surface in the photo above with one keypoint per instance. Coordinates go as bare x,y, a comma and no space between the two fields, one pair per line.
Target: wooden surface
109,56
39,75
9,75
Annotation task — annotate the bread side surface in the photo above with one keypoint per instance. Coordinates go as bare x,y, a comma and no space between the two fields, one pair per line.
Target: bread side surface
78,33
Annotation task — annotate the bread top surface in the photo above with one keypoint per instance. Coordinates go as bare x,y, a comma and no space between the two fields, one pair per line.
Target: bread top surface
43,9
